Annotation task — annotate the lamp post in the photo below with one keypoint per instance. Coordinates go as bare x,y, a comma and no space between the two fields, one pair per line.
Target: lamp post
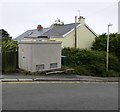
107,48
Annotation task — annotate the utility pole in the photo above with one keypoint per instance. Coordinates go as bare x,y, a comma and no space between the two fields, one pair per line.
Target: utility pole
75,31
79,12
107,60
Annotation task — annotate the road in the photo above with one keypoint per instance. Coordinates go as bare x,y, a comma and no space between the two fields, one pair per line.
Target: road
60,96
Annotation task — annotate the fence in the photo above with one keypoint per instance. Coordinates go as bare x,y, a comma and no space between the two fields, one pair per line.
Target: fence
9,61
0,62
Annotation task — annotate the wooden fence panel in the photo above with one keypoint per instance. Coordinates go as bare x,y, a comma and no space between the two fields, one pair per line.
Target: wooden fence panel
0,63
9,61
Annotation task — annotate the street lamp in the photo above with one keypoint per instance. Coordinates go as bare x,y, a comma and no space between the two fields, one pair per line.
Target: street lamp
107,47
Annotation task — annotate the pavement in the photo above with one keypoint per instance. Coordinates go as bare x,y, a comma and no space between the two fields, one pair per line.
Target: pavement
19,77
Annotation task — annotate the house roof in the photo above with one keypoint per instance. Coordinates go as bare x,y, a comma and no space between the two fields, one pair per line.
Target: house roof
59,31
54,31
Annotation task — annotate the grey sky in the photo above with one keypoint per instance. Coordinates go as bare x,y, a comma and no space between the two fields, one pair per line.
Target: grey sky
17,17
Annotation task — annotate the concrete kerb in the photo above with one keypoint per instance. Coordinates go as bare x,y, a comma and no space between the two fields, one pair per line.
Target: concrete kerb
56,79
8,80
55,72
25,80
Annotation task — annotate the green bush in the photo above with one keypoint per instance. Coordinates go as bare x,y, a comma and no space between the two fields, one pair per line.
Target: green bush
82,70
89,62
114,63
111,73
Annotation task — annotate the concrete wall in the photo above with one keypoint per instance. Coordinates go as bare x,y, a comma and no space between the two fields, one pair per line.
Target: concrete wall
25,56
39,56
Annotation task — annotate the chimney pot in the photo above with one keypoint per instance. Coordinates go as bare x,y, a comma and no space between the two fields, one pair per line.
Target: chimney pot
81,20
39,27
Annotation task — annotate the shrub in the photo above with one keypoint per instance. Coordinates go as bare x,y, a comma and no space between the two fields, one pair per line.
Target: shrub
111,73
114,63
82,70
88,62
114,47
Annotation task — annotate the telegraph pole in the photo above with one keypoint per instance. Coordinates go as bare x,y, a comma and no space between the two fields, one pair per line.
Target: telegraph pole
79,12
75,31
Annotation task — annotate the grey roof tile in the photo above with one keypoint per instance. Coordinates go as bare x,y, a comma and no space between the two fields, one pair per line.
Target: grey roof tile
59,31
37,33
54,31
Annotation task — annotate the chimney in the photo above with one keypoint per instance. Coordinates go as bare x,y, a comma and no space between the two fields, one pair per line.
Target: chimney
81,20
39,27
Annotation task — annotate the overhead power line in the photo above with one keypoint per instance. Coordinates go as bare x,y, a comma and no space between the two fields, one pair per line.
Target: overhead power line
104,9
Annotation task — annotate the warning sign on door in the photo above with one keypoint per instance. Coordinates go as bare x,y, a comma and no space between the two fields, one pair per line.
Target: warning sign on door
22,50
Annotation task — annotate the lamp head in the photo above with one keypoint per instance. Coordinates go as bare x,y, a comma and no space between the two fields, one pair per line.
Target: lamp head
109,24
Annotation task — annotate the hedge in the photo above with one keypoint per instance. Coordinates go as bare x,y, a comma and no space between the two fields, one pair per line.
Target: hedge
89,62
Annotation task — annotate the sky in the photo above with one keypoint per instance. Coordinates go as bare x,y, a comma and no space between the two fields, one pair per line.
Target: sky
18,16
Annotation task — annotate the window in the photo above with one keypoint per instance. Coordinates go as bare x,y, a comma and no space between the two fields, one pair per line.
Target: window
30,33
53,40
53,65
40,67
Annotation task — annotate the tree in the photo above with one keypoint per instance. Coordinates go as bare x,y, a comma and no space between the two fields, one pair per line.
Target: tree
100,43
115,45
58,22
4,35
9,46
7,43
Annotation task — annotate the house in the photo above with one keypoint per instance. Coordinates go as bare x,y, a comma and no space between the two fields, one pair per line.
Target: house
64,33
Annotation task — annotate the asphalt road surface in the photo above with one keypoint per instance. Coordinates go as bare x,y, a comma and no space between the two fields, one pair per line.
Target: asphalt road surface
60,96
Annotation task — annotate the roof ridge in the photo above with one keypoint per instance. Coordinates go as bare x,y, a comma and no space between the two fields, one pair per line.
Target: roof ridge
71,23
54,26
36,29
63,25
